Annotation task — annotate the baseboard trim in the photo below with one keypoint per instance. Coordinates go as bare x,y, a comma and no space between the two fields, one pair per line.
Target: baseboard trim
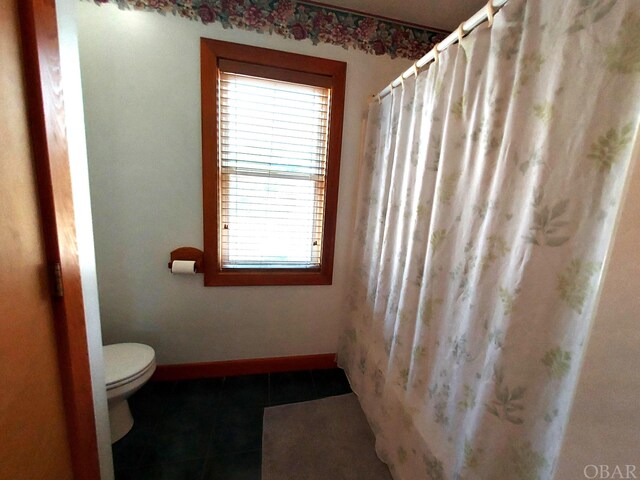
230,368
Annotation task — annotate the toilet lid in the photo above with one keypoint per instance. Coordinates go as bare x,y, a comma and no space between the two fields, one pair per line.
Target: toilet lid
126,360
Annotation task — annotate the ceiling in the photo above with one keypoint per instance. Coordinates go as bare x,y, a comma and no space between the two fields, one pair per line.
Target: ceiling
442,14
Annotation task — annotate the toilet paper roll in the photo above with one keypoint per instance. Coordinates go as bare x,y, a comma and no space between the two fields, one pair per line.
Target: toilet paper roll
184,267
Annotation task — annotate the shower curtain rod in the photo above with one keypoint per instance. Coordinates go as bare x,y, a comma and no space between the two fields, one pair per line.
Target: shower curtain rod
465,28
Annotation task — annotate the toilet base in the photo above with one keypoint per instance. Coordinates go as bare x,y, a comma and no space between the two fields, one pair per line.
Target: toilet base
120,419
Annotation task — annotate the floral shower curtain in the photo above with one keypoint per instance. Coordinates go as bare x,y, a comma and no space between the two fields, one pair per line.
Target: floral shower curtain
489,191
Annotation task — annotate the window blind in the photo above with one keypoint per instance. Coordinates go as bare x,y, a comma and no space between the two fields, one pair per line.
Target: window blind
273,152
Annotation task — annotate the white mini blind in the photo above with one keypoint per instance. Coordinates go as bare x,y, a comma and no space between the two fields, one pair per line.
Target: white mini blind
272,160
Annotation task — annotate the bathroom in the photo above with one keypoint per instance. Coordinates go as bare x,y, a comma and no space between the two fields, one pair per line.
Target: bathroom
139,104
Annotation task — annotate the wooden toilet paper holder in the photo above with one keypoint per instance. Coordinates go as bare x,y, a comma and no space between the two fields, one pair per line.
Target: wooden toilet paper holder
189,253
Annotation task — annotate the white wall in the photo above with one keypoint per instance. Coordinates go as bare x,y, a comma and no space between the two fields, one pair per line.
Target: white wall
141,82
604,428
71,84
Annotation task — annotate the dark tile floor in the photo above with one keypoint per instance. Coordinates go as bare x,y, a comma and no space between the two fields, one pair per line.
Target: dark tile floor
210,429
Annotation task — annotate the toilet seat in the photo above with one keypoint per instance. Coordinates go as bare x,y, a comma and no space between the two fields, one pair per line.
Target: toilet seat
126,362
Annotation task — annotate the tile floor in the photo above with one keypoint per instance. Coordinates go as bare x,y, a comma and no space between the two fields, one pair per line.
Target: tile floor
210,429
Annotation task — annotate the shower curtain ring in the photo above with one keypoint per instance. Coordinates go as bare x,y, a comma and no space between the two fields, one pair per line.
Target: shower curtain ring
460,32
436,54
491,11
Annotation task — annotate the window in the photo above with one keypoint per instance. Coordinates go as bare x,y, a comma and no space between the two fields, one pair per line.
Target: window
271,139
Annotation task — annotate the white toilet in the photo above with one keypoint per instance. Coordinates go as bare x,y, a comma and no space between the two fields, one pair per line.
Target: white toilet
128,366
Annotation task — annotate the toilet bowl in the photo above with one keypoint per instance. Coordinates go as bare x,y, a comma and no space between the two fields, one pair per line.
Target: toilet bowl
128,366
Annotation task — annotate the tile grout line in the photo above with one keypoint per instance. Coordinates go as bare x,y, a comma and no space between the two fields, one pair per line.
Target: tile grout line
156,425
217,405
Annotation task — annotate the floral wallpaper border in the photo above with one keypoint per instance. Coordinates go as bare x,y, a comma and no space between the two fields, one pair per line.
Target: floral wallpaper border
301,20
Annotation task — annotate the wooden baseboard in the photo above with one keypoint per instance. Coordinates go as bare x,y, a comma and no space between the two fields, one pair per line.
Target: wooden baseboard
230,368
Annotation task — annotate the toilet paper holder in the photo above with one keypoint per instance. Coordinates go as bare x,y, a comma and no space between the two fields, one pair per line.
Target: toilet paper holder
189,253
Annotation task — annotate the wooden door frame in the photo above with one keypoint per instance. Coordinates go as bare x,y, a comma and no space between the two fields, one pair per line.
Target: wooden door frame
43,83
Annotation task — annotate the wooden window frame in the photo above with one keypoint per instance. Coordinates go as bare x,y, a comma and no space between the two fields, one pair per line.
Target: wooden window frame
279,66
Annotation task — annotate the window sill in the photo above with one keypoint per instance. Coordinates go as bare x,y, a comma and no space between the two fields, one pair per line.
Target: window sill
264,277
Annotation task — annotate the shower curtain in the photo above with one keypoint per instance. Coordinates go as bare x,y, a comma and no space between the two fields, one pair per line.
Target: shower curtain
489,190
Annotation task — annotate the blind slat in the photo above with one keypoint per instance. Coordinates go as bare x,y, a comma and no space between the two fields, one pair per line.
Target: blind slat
296,159
262,121
276,138
238,99
237,143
